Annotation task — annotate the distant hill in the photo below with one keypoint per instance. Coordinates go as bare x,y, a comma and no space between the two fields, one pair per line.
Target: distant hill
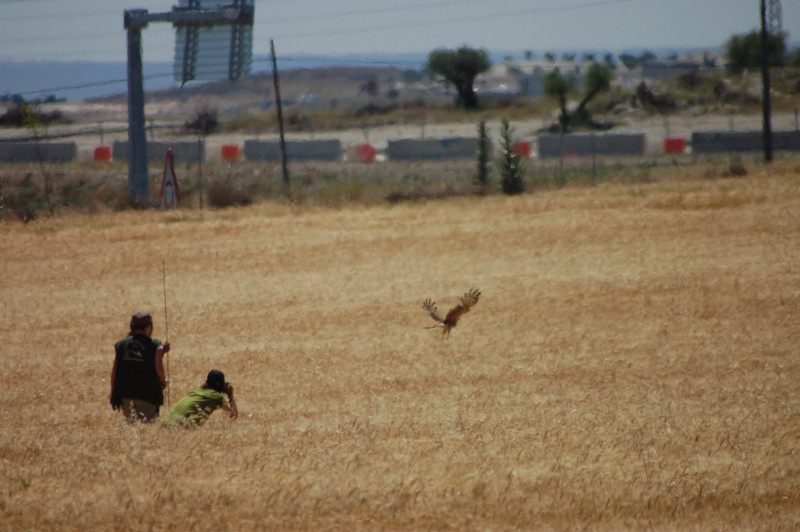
75,80
81,80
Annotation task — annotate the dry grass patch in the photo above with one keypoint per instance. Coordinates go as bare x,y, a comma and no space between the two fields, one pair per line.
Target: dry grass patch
632,363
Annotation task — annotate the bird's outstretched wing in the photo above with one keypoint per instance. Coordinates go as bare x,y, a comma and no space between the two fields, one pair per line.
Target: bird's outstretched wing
469,299
430,306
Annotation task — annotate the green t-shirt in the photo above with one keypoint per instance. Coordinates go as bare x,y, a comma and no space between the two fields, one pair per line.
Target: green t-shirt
194,408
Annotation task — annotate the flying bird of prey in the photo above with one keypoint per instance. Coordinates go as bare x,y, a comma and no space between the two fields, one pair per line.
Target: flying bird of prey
450,320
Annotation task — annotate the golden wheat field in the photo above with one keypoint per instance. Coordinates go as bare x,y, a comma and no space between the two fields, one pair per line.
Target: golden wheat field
632,363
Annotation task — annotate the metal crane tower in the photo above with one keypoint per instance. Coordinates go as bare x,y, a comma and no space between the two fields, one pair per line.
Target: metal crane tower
775,17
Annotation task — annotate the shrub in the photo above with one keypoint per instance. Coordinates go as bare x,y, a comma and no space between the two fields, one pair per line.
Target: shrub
21,115
27,201
510,162
204,122
735,169
221,194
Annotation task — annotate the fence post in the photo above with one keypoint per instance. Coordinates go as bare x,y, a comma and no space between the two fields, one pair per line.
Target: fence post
200,170
594,158
561,157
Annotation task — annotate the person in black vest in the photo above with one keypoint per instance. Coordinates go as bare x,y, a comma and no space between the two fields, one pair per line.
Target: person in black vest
137,377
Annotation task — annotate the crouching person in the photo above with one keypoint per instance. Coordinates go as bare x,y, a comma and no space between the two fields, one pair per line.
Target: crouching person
193,410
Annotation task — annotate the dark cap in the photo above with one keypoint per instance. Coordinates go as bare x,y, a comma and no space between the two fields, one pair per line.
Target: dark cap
140,320
215,380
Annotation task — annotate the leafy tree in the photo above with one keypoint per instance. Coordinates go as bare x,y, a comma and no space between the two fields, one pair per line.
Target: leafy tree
557,86
793,59
549,56
632,61
598,79
628,60
510,162
744,51
204,122
460,67
27,114
32,119
647,56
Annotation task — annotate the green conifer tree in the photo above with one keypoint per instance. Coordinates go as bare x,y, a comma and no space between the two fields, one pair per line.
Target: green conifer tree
510,162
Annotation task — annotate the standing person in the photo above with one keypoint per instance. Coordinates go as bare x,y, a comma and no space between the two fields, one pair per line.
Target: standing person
137,377
193,410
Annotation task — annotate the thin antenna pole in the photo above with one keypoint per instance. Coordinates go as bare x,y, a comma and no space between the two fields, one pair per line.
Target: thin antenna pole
166,321
277,85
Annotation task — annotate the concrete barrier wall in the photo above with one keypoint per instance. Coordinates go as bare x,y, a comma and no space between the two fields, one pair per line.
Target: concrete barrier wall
733,141
33,152
296,150
586,144
186,151
786,140
450,148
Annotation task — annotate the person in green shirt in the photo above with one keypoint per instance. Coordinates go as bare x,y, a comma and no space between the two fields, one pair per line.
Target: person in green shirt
195,407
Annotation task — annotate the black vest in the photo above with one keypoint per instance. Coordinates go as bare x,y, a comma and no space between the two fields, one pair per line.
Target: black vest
136,376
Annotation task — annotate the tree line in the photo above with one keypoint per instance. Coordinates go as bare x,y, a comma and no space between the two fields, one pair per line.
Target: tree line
460,67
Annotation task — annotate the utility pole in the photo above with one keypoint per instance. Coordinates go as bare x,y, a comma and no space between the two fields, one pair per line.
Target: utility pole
277,85
765,103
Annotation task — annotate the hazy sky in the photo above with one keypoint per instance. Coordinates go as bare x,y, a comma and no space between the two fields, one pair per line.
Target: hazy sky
92,29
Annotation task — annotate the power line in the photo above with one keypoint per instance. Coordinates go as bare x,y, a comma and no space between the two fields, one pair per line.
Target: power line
516,13
364,12
470,18
341,14
343,61
63,16
58,38
323,16
92,84
257,60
